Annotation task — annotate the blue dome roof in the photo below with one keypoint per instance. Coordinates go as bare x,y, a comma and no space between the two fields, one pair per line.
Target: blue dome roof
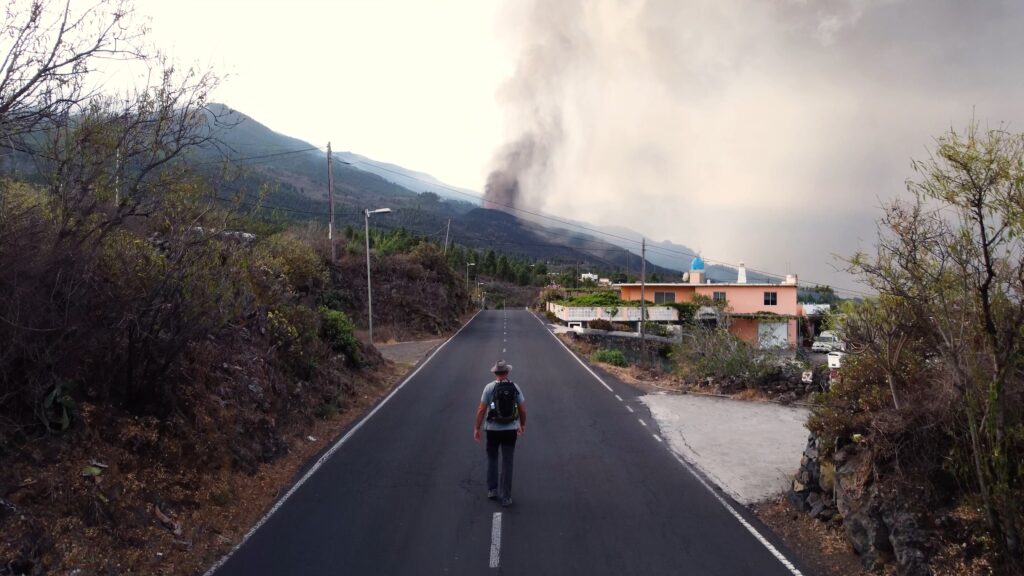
697,264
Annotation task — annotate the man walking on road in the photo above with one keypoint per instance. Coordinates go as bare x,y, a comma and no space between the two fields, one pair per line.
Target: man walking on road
503,405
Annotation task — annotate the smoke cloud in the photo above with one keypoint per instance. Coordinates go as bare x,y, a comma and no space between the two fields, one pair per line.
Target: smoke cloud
750,130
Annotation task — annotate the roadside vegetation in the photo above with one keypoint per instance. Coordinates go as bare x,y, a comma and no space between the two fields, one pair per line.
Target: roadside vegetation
162,349
931,401
916,449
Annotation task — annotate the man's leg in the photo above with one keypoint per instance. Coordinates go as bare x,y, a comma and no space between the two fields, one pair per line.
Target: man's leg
508,451
493,439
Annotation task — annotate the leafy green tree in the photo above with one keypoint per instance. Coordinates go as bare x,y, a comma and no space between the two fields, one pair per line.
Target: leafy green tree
950,263
504,269
490,263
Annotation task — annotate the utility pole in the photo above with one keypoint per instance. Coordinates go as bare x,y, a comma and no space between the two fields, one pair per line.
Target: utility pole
117,177
448,230
330,199
643,300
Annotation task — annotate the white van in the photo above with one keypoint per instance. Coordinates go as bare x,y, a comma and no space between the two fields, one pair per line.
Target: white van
828,341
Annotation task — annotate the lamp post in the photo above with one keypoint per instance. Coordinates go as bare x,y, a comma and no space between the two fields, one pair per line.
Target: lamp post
369,286
468,264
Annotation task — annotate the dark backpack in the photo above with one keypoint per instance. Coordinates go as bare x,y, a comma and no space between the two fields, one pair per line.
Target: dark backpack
504,403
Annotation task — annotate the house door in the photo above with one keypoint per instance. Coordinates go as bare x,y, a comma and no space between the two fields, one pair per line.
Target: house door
772,334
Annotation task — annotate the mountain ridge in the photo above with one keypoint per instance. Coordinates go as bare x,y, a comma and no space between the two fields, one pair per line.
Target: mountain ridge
301,171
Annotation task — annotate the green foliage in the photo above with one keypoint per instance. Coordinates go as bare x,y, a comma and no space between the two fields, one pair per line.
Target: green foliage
818,295
848,406
686,310
293,331
596,299
655,329
337,330
613,357
297,260
716,353
947,330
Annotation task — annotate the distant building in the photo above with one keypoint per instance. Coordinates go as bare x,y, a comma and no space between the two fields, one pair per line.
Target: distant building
588,276
764,315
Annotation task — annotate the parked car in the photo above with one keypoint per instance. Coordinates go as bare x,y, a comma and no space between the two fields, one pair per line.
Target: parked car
828,341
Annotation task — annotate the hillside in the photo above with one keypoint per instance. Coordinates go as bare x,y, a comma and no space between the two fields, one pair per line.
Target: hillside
297,176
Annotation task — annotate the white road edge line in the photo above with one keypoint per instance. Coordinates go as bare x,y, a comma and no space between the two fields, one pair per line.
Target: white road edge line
496,540
743,522
642,423
753,531
658,438
630,408
327,455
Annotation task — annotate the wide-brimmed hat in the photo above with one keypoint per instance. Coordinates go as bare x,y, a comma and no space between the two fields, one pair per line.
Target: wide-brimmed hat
501,367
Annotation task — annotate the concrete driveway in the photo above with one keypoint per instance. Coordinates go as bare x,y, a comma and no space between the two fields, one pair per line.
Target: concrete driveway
750,449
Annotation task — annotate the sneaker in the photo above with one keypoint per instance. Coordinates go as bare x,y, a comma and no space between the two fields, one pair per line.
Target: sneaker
492,494
506,501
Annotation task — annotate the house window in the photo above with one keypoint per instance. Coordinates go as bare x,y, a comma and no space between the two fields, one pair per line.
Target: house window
771,298
718,296
663,297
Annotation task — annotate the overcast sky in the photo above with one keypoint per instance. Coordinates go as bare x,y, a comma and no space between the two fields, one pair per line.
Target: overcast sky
756,130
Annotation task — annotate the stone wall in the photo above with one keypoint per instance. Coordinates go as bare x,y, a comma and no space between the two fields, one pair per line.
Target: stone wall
843,489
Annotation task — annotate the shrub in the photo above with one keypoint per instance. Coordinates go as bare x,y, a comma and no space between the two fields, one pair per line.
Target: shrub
655,329
686,310
293,329
299,263
337,330
613,357
551,317
716,353
602,299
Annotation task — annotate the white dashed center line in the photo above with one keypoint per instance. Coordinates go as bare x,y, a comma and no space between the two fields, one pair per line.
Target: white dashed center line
619,398
658,438
630,409
642,422
496,540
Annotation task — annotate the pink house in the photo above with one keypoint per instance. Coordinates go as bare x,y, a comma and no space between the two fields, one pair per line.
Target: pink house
764,315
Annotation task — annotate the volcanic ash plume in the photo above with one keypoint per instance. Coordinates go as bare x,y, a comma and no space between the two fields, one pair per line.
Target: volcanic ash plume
515,164
616,102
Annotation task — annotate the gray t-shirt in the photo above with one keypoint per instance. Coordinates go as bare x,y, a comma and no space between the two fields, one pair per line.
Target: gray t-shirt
485,398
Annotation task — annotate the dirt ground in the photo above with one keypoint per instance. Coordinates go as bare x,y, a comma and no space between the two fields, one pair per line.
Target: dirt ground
820,546
408,353
198,518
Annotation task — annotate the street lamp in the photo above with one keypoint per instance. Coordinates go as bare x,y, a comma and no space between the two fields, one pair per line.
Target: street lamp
369,288
468,264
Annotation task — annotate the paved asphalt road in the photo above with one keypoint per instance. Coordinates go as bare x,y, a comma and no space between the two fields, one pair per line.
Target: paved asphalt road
596,492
